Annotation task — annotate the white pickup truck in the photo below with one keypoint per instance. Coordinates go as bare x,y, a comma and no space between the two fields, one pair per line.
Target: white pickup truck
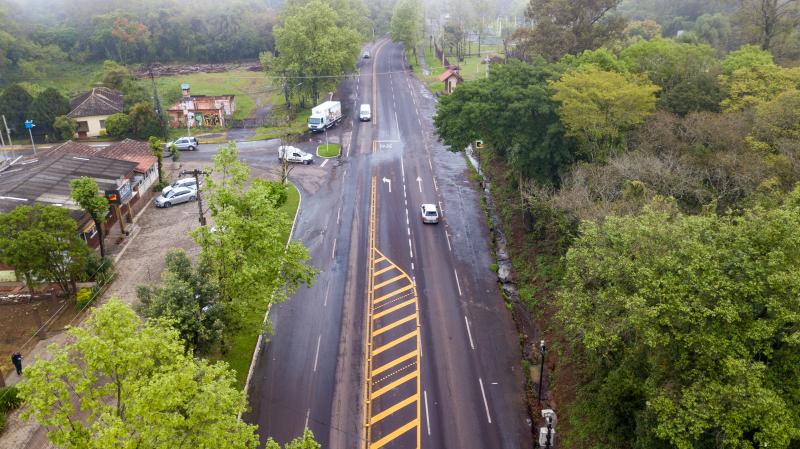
296,155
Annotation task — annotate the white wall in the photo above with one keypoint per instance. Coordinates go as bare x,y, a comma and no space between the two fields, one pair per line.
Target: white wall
94,124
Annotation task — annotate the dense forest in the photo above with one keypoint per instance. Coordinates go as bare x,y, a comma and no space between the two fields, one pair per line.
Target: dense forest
37,37
644,157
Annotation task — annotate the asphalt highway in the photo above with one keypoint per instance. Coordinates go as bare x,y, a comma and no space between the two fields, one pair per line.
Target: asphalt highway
404,340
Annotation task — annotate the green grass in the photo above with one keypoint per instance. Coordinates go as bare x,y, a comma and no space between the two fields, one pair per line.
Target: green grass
70,78
245,85
298,125
243,343
329,150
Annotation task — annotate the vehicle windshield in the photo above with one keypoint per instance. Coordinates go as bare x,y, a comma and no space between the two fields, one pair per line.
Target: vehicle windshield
431,213
170,194
315,120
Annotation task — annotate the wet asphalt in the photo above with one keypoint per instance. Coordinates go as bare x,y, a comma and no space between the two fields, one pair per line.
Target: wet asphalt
311,371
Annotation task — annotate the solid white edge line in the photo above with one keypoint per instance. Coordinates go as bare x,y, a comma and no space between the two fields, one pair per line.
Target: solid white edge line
469,333
308,413
447,235
316,356
485,403
458,284
427,415
410,252
327,290
338,215
333,252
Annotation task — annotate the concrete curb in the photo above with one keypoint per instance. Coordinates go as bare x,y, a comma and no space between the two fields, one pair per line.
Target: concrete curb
329,157
260,342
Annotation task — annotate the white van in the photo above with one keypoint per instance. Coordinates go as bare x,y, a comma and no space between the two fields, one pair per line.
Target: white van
296,155
366,113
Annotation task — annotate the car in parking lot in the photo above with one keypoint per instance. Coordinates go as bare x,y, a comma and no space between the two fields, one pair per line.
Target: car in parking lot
175,196
429,213
184,144
183,182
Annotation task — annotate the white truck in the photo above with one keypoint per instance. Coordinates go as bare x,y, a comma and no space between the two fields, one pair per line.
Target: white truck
324,116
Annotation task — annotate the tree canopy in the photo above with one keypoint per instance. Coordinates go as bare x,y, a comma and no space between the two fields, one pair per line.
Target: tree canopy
42,244
406,24
86,193
122,383
514,114
690,325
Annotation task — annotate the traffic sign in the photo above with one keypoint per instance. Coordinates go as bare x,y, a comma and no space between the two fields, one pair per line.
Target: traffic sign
29,124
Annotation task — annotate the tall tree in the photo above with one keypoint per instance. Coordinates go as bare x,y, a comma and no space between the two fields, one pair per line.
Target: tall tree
157,149
306,441
514,114
314,52
598,107
690,328
769,20
42,244
406,24
47,106
571,26
86,193
246,251
187,298
122,383
14,104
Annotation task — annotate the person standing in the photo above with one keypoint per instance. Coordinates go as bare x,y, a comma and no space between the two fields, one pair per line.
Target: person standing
16,359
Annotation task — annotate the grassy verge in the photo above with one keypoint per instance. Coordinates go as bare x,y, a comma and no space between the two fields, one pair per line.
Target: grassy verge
296,126
244,342
329,150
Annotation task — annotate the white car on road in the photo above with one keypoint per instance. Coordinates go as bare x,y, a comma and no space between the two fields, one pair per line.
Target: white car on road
295,155
429,213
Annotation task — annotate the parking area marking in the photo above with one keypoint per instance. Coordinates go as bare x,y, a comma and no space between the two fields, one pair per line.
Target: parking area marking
392,363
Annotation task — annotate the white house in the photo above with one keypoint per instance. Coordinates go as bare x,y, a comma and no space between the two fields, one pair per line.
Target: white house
91,109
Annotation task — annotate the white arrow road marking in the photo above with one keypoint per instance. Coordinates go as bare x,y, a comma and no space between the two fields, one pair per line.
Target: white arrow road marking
388,181
419,181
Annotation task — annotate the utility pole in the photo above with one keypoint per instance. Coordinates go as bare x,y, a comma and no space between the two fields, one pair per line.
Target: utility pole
196,173
8,132
543,351
157,103
29,125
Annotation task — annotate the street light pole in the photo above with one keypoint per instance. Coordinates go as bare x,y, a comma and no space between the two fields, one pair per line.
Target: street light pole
543,351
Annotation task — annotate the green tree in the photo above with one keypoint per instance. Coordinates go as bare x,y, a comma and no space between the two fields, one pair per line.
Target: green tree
118,125
122,383
778,121
188,300
406,24
750,86
144,121
689,328
65,127
598,107
157,149
14,104
745,57
245,252
86,193
569,26
47,106
317,63
307,441
42,243
513,113
768,22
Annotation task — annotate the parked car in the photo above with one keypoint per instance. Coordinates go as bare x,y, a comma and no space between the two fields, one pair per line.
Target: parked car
183,182
176,196
429,213
184,143
295,155
365,114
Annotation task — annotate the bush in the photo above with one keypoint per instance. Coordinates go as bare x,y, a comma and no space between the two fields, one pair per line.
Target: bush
99,269
118,125
159,186
83,297
9,399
